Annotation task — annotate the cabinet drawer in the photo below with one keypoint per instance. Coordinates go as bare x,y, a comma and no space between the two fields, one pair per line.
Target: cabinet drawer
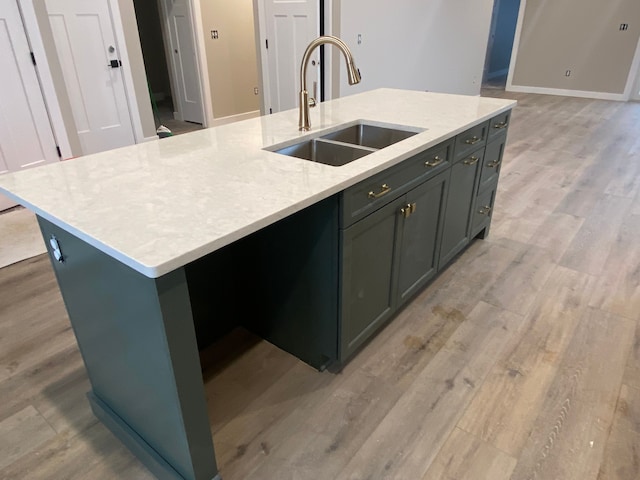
492,163
470,140
367,196
483,210
499,123
430,162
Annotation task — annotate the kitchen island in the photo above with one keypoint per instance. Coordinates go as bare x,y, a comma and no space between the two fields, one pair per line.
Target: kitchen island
162,247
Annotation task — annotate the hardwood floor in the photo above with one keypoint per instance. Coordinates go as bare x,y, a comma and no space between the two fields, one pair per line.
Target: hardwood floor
521,361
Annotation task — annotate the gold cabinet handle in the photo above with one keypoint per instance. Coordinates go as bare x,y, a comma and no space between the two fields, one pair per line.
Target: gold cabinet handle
408,209
384,190
486,210
471,160
472,141
501,124
434,162
494,163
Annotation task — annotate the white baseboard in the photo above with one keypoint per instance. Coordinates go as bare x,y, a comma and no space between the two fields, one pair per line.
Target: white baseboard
234,118
150,139
620,97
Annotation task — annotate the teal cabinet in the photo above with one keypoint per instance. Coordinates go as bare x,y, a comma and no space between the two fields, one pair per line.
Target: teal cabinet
402,226
419,231
388,256
460,199
367,272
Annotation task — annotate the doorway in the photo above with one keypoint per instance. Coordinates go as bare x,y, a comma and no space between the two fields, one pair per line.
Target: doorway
179,112
26,136
501,35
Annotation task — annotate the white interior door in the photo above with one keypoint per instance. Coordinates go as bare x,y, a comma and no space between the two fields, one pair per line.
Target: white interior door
86,45
291,25
26,138
183,60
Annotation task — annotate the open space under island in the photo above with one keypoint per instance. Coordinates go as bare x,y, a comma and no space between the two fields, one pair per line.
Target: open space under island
160,249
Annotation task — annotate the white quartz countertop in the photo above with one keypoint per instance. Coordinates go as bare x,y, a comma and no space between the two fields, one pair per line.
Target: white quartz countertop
159,205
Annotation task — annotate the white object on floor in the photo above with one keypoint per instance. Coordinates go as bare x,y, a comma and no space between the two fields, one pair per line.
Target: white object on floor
20,237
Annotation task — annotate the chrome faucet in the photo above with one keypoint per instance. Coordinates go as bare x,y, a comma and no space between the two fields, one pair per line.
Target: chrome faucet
353,75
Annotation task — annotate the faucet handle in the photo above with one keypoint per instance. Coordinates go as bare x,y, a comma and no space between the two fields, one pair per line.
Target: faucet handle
312,101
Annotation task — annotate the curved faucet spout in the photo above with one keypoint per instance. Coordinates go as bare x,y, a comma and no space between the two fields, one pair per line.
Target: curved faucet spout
353,75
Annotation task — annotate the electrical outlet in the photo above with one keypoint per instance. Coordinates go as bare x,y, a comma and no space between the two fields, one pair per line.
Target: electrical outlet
359,38
624,26
255,90
214,34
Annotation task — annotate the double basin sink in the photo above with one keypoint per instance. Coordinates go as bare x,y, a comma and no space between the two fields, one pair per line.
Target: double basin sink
346,144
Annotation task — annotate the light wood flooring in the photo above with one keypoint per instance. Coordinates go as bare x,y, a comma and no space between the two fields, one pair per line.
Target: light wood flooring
521,361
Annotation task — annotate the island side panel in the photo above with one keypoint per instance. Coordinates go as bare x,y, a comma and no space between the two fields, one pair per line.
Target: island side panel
293,280
138,343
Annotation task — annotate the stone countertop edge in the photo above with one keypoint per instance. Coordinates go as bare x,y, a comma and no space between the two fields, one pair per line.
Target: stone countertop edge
160,205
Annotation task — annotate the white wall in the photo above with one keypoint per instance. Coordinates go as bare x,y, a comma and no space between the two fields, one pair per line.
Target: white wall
435,45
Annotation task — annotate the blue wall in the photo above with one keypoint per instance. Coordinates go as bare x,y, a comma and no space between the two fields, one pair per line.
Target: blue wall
500,54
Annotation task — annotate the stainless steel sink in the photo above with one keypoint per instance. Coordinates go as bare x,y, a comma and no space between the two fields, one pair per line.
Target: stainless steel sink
346,144
369,135
329,153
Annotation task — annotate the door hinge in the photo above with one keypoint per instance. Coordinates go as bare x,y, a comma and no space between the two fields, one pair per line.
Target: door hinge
59,151
267,43
33,58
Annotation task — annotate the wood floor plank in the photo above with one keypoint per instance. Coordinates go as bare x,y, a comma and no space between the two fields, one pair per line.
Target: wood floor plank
621,459
503,411
619,286
632,368
568,438
556,233
322,431
517,287
465,457
405,442
592,244
21,433
94,454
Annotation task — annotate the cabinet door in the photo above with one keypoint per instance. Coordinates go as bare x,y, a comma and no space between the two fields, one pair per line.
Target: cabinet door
490,170
455,234
367,266
419,231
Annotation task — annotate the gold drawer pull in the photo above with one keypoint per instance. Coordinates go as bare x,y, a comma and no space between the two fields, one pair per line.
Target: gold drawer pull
471,160
501,124
486,210
435,162
494,163
385,189
408,209
472,141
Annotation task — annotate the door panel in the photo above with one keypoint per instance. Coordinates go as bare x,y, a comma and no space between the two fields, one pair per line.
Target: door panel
455,234
367,267
26,138
419,233
86,44
291,25
183,60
